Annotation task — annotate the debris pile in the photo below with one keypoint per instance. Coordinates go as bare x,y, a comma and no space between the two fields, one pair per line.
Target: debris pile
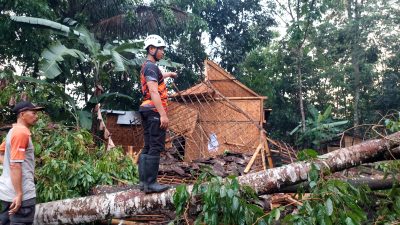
175,171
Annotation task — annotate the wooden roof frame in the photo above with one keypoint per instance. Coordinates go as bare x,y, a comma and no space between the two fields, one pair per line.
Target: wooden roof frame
227,75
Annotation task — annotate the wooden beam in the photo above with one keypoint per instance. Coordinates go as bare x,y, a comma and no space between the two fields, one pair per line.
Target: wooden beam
242,98
248,167
269,156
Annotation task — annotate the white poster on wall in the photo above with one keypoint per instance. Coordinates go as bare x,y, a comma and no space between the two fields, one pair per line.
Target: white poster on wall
213,143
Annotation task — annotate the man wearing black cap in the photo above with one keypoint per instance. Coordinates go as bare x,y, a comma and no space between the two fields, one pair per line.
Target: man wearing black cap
17,187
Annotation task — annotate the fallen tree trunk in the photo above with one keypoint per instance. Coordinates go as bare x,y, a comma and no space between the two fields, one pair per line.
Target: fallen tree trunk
131,203
372,183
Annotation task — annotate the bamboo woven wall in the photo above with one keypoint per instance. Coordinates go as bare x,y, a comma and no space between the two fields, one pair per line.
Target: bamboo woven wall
195,143
182,118
253,107
217,110
125,135
229,115
233,129
230,89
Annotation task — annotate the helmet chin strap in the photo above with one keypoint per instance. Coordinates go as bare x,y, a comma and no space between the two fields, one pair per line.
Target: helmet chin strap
155,55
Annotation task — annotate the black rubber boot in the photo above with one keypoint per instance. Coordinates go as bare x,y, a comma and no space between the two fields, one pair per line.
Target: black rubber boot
152,166
141,168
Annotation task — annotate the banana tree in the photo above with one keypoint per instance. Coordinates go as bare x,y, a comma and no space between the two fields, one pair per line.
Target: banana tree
319,127
104,60
100,59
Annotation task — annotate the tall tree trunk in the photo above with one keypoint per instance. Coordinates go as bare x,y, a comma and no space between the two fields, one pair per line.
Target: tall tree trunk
130,203
357,86
300,83
353,11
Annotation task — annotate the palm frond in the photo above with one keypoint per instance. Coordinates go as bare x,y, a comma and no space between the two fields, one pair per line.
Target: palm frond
147,20
100,9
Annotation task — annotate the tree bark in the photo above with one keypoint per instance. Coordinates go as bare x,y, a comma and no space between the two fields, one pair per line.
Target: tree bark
131,202
354,18
300,83
373,183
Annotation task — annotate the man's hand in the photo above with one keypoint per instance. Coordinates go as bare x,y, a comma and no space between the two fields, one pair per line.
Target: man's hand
164,122
170,74
16,204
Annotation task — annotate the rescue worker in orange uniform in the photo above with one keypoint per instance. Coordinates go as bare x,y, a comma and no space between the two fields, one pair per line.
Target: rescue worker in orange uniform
154,114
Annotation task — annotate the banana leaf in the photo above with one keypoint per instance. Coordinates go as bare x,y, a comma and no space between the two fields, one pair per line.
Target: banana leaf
102,97
65,30
53,55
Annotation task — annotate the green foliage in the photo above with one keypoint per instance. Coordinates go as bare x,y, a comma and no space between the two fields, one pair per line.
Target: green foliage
94,54
68,163
61,101
180,199
91,64
5,94
222,201
393,124
265,71
306,154
388,201
229,19
53,55
17,51
53,97
388,211
319,128
330,202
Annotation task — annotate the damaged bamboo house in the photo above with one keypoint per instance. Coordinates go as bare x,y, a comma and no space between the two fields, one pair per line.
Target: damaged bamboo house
218,115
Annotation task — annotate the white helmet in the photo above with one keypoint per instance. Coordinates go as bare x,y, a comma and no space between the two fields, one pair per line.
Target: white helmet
154,40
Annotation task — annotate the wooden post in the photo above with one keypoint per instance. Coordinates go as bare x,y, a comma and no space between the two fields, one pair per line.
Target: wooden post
130,151
247,169
262,142
269,156
263,157
136,156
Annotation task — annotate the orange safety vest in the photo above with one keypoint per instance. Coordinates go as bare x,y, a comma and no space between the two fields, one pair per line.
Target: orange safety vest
162,90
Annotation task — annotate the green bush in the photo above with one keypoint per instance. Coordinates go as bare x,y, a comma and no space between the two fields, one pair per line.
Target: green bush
68,163
223,201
